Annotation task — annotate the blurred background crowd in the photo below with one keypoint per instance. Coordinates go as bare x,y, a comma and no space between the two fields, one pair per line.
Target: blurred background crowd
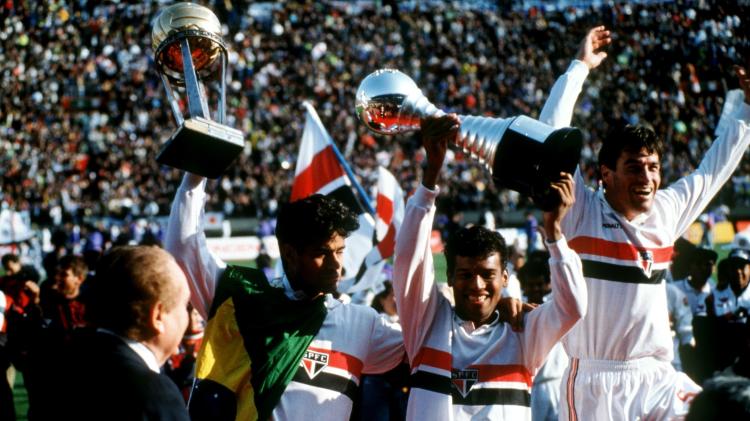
82,115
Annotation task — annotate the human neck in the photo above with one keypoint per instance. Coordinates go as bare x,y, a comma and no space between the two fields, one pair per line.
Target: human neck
629,215
696,284
298,287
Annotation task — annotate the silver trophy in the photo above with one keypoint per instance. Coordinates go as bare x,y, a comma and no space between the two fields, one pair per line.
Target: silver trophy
189,51
521,153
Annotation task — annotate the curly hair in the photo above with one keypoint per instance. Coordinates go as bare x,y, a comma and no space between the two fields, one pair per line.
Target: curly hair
476,241
313,220
628,138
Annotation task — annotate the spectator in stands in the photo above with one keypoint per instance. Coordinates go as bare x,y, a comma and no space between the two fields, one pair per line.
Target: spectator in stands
59,242
48,323
14,282
60,301
87,114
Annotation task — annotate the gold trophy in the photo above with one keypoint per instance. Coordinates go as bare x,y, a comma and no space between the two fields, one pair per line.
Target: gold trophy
521,153
189,52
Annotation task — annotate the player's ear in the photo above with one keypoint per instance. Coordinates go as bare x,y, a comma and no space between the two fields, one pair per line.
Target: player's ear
289,258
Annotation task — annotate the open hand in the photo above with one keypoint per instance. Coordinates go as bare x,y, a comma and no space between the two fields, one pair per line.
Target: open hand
512,311
564,188
436,133
590,50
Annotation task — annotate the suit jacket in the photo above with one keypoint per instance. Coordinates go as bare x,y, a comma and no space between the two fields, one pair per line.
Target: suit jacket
106,379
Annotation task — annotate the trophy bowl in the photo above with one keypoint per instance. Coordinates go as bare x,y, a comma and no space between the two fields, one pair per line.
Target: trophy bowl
521,153
202,29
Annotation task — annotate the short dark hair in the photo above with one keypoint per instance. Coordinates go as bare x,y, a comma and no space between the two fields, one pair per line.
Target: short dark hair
129,281
313,220
75,263
387,289
476,241
10,258
628,138
722,398
532,269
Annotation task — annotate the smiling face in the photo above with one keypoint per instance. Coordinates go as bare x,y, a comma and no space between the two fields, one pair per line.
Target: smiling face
631,186
477,285
315,268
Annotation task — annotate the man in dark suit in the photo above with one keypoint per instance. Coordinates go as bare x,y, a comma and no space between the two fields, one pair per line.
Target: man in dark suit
138,307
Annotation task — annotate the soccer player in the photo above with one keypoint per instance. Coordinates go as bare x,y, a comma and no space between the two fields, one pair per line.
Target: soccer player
282,348
621,350
465,363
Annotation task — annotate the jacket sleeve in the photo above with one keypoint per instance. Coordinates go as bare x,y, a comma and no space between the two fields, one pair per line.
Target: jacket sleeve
414,275
548,323
558,110
186,241
386,348
682,202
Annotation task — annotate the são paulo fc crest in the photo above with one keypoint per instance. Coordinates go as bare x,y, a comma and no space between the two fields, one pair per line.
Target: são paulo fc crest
647,260
463,380
314,362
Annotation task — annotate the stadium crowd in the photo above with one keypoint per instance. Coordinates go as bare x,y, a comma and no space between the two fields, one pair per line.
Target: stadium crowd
84,113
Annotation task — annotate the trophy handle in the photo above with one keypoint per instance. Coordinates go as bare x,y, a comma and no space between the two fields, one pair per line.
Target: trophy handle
172,98
197,104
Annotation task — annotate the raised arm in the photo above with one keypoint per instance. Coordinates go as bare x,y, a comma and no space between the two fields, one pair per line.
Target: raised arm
548,323
558,110
414,286
186,241
688,196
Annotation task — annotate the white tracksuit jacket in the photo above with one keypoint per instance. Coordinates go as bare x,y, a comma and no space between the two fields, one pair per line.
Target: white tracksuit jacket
463,373
353,339
624,262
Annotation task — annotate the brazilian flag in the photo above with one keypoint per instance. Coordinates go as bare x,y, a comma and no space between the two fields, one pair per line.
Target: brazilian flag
254,340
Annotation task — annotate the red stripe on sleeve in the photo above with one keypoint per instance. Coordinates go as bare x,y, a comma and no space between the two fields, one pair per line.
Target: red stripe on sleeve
615,250
433,358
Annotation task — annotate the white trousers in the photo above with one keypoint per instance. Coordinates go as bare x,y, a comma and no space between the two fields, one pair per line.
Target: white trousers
641,389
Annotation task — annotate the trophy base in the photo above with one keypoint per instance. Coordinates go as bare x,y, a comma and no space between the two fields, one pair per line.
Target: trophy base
528,162
202,147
